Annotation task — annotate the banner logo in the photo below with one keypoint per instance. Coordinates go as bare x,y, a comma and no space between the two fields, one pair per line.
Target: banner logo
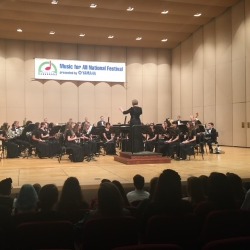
47,69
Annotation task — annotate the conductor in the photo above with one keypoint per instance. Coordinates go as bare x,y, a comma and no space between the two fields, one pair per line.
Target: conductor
135,137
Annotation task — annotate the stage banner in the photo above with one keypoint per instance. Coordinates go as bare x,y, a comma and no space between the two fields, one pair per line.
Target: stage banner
70,70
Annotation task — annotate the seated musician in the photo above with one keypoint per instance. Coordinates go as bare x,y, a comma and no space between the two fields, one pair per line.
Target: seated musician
200,136
109,140
13,150
40,140
210,136
162,138
17,137
89,145
186,146
173,141
71,142
151,139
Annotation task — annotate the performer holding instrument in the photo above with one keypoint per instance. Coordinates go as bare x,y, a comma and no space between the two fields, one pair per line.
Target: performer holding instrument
109,140
188,143
13,150
71,143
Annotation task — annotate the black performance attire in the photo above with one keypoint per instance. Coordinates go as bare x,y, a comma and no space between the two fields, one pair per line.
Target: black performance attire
13,150
135,137
76,151
188,148
173,146
211,137
109,145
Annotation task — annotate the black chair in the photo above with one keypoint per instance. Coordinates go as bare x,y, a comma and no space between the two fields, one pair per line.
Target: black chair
109,232
45,235
237,243
225,224
183,230
64,150
150,247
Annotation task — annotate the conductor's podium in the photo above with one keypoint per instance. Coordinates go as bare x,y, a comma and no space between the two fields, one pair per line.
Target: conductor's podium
144,157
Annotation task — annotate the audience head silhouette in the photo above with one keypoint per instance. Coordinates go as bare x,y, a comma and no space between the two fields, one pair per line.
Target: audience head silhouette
48,197
109,200
27,199
168,187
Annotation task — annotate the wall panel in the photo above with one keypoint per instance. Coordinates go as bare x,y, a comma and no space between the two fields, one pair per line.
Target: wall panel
238,54
118,90
224,111
149,90
186,79
3,101
198,68
176,82
239,125
52,101
209,70
69,102
87,102
247,42
134,83
164,86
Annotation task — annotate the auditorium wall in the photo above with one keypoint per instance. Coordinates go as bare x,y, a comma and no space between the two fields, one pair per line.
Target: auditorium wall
210,75
148,80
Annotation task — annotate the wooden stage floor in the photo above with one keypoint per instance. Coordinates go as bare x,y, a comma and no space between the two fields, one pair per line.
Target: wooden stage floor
44,171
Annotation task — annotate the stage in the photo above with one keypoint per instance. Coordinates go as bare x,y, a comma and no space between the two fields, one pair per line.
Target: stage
44,171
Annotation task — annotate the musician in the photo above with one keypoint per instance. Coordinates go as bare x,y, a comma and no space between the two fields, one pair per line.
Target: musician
89,146
109,139
13,150
44,148
151,139
17,137
200,135
101,122
71,143
188,143
136,138
210,136
172,143
162,137
44,131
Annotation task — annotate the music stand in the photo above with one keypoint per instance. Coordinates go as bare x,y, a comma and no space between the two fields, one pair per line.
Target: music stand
145,129
98,131
62,129
159,129
55,130
115,129
201,128
183,128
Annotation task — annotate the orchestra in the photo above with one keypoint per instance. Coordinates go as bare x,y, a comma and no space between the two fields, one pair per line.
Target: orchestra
172,138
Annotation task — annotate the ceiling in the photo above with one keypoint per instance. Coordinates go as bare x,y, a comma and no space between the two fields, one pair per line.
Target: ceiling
69,18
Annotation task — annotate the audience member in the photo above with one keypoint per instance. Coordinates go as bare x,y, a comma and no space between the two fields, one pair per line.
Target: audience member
122,192
27,199
139,193
204,183
48,197
37,187
246,203
71,196
220,195
167,198
194,191
6,202
237,188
